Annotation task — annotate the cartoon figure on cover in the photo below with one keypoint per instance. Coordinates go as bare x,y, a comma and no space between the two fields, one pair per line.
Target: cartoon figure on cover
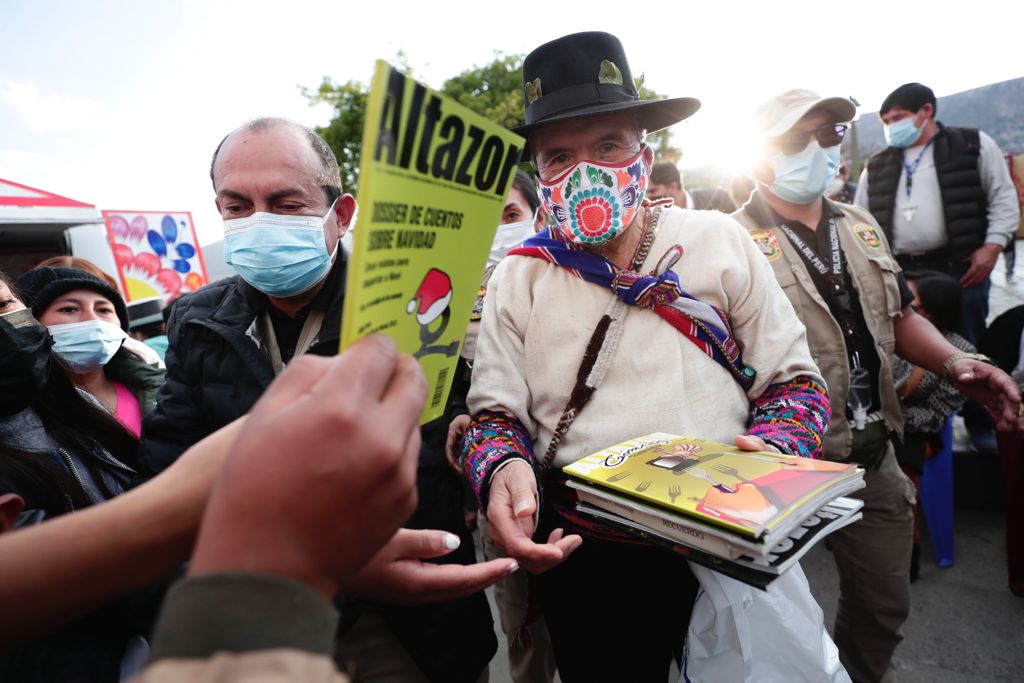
431,301
754,502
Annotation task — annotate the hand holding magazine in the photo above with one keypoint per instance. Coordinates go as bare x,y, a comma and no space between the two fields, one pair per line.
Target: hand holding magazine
751,515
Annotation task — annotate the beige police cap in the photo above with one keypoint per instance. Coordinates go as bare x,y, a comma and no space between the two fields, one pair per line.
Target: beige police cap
777,115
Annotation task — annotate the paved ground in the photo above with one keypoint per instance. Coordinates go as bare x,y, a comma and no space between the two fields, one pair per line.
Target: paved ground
965,625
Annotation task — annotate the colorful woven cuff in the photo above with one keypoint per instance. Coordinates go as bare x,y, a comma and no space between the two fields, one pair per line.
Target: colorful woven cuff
491,439
793,416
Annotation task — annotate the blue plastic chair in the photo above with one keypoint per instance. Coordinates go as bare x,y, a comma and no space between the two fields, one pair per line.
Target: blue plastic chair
937,497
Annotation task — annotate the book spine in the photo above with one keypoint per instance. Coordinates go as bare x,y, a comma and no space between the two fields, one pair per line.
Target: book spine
675,530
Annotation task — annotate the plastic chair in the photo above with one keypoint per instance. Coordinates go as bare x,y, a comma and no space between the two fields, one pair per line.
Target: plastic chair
937,497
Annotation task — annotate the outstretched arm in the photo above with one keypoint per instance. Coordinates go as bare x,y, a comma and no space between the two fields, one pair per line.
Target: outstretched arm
919,342
76,563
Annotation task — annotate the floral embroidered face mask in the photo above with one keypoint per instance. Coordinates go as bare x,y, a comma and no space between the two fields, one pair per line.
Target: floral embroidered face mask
593,203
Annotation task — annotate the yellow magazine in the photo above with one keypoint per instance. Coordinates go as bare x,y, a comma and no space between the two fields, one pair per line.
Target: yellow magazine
759,495
432,184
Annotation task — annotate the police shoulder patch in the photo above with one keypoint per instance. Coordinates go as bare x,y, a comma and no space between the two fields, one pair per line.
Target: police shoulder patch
868,235
767,242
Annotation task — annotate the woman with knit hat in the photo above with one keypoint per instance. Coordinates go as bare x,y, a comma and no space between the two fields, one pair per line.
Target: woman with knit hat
88,321
61,449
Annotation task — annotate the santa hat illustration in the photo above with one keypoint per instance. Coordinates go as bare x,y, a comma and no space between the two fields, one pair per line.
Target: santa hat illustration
434,295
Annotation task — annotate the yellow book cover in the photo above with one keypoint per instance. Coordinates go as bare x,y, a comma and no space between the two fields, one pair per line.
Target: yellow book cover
433,179
748,493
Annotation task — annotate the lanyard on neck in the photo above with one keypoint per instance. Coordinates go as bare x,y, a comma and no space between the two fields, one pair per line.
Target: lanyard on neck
911,168
310,330
835,268
839,301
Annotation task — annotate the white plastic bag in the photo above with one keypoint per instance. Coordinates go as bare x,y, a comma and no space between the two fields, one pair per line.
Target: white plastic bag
742,634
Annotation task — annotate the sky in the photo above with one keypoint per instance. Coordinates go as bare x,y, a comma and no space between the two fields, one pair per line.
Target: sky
121,103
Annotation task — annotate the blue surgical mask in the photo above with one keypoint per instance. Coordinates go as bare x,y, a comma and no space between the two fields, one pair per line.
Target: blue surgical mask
903,133
280,255
803,177
88,345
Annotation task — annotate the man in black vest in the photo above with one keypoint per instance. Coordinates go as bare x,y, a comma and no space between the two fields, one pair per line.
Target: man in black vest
942,195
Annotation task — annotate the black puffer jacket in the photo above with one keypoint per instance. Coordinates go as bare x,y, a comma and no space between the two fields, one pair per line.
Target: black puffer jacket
216,371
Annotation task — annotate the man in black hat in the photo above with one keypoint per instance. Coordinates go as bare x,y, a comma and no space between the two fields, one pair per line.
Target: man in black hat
625,318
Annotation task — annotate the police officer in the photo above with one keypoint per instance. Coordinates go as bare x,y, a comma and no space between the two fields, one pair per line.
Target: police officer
834,264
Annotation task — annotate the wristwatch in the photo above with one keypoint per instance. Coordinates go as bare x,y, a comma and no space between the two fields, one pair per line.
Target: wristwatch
960,355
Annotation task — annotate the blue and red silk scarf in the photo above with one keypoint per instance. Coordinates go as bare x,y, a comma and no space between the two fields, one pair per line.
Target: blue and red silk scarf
705,325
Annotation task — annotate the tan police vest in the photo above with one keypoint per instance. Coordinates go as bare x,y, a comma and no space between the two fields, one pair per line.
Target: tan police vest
873,271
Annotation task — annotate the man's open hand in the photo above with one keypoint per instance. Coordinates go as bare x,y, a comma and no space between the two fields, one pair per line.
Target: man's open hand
991,387
512,517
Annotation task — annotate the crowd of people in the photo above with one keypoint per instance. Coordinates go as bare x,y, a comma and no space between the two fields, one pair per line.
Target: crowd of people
220,496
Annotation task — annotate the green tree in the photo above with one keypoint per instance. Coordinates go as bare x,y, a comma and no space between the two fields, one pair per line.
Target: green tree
344,132
660,142
492,90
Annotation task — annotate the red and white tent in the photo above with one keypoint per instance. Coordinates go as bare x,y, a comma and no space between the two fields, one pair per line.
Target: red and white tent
36,224
23,204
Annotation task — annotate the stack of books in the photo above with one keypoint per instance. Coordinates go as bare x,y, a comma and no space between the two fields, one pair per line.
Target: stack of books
747,514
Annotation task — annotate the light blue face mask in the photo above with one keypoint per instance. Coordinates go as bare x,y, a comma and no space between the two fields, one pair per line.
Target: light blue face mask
88,345
803,177
278,254
903,133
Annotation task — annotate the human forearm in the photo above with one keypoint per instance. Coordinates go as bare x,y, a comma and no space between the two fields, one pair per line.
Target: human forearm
78,562
920,343
492,439
53,573
253,612
792,416
1003,211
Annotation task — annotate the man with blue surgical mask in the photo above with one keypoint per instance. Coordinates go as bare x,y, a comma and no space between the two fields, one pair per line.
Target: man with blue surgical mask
278,189
942,195
834,264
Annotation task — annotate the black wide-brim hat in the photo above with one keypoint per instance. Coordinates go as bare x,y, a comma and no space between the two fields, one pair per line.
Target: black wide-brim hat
586,74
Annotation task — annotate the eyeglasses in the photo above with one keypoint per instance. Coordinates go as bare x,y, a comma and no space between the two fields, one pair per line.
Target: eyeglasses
828,135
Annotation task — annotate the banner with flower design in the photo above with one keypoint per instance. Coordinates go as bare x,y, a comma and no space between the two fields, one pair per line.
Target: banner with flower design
156,252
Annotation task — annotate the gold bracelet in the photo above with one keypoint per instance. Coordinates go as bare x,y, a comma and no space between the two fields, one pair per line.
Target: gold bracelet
960,355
